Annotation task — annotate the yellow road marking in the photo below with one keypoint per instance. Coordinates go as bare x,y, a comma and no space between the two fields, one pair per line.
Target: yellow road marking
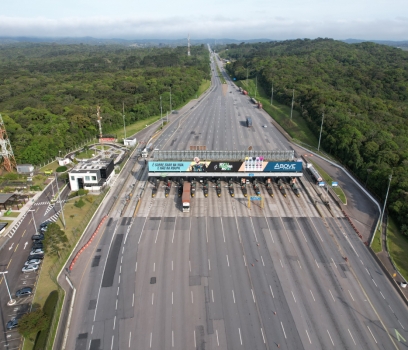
9,263
16,247
23,233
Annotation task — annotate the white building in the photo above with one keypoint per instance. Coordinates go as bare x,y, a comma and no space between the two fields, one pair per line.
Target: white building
91,175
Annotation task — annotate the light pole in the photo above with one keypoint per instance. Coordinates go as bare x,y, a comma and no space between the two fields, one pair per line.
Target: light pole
11,301
385,202
35,226
170,102
59,154
161,111
368,172
293,100
124,124
59,198
320,136
272,95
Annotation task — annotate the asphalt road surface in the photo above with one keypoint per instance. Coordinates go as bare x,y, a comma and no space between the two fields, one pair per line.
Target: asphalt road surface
225,276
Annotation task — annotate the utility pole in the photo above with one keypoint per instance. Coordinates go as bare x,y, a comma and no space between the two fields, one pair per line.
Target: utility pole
293,100
59,198
272,95
124,124
161,111
35,226
320,136
11,301
385,202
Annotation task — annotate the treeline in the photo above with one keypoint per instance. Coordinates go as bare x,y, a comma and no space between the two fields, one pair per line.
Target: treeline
362,89
49,93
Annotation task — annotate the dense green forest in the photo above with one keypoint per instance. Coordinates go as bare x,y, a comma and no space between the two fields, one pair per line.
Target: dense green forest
49,93
362,89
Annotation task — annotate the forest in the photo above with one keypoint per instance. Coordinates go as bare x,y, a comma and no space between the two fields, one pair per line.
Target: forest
49,92
362,89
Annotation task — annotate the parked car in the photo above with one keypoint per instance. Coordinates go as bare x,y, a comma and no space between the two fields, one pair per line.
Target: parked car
23,292
36,251
39,237
44,226
30,268
33,262
36,256
13,323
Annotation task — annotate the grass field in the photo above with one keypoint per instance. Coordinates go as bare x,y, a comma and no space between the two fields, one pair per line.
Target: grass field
398,247
376,245
203,87
85,154
220,75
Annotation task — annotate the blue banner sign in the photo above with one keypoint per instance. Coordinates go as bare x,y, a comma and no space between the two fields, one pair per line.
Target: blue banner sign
335,184
283,166
255,198
251,174
321,184
169,166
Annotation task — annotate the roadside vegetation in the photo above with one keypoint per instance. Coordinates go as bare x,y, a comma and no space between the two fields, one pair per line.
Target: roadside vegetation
362,89
398,247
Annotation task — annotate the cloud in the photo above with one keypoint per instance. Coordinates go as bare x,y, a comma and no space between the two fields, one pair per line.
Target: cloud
217,26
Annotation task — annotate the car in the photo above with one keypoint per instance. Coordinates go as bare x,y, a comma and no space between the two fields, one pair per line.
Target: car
39,237
38,246
33,262
45,224
36,251
36,256
13,323
30,268
23,292
265,126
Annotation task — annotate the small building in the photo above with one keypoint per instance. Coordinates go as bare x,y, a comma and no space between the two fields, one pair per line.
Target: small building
64,161
25,169
91,175
130,142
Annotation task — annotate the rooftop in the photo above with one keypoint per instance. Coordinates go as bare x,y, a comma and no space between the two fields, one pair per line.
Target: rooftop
91,166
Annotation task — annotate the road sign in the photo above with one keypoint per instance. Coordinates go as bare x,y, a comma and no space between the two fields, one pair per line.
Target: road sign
251,174
321,184
335,184
255,198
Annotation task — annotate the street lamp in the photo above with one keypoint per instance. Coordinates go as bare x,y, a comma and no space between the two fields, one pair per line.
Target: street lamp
385,202
170,101
59,198
161,111
124,125
59,153
320,136
293,101
35,226
11,301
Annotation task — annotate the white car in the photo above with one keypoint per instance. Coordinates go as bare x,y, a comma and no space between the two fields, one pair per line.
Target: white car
265,126
30,268
36,251
33,262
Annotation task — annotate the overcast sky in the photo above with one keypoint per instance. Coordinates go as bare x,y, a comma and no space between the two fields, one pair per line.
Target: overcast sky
235,19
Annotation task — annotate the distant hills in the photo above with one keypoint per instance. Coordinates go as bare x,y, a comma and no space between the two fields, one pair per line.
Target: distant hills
166,42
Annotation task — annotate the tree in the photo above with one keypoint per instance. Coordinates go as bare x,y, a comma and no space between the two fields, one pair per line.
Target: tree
55,239
33,322
404,229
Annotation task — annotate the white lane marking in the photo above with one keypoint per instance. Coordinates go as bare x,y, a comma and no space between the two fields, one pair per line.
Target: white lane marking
112,342
152,298
114,322
192,300
293,295
121,259
218,342
151,339
372,334
156,237
92,329
361,262
281,262
283,330
299,264
120,268
222,228
308,336
154,267
117,293
382,295
123,249
374,282
332,295
351,296
172,265
189,263
263,337
391,308
367,271
206,228
253,296
227,260
172,298
136,267
317,264
172,240
209,265
240,338
334,263
130,337
133,300
195,343
271,291
262,261
172,339
119,280
401,325
312,295
116,307
244,260
330,337
351,336
212,295
233,296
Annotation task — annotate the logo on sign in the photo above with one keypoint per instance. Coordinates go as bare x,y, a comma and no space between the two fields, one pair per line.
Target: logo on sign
282,166
225,166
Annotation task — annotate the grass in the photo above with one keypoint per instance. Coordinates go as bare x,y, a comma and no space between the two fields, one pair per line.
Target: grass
397,247
85,154
52,166
203,87
376,245
13,214
220,75
327,178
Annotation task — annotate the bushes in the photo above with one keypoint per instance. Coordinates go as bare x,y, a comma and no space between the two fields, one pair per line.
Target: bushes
61,169
80,203
48,310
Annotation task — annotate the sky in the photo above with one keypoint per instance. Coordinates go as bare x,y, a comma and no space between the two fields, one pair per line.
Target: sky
233,19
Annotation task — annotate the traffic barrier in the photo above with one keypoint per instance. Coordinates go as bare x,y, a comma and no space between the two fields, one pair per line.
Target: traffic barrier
71,266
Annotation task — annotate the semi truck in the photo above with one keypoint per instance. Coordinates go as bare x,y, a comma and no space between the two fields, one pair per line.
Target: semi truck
269,187
280,186
185,199
249,122
231,188
313,173
243,187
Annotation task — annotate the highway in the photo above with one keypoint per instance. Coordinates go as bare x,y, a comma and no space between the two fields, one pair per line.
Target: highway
225,276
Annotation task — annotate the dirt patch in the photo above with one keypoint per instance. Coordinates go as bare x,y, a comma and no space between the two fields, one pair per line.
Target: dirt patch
224,89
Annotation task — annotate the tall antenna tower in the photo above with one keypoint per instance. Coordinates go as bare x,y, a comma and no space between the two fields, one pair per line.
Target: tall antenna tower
188,46
6,152
99,121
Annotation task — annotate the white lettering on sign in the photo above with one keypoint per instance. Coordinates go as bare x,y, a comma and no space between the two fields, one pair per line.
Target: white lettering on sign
279,166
